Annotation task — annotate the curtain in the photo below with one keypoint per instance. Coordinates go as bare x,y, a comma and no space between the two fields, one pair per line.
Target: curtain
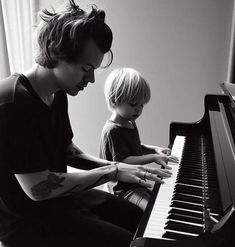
17,21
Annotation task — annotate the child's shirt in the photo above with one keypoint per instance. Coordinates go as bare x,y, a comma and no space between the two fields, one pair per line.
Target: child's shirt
116,144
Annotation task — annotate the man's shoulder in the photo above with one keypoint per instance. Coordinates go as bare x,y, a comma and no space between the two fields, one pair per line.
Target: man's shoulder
7,89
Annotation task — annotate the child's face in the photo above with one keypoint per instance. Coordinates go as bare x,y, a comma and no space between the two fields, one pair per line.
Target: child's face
129,111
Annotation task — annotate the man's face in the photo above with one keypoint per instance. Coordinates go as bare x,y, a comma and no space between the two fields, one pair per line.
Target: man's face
74,77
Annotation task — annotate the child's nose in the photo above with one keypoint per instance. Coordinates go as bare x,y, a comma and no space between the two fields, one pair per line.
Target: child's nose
139,109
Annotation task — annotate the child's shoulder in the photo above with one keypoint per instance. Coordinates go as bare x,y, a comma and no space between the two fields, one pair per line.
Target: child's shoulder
112,127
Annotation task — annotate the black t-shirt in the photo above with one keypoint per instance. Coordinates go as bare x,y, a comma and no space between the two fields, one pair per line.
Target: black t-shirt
116,144
33,137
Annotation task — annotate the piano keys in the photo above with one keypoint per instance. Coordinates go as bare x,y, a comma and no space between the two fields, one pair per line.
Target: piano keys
202,187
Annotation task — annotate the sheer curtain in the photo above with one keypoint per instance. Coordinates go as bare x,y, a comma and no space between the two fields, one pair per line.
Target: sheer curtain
17,20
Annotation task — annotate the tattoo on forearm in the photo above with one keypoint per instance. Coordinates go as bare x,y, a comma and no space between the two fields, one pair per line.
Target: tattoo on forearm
44,188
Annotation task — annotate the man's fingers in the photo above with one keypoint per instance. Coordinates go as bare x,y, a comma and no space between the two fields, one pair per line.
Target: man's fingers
165,165
147,184
157,171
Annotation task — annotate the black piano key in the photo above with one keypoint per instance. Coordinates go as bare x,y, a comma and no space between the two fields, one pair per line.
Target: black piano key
183,227
189,206
191,166
189,181
185,218
179,188
190,173
175,236
187,198
198,215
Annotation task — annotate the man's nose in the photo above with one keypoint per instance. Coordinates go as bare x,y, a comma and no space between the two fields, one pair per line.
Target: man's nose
90,77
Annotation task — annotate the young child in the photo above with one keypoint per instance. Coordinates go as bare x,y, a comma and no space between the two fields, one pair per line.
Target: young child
126,93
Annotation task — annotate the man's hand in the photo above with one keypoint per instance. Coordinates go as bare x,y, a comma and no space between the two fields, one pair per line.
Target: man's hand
141,174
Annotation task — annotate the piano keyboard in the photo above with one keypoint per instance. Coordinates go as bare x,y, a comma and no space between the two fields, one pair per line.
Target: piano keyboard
161,208
188,200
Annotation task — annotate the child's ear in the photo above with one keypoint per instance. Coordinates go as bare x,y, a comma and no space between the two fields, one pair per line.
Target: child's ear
113,104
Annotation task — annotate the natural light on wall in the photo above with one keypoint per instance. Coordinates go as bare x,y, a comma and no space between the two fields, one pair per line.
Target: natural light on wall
17,19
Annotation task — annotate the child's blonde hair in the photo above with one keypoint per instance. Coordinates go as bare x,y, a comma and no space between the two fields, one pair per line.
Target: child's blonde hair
126,85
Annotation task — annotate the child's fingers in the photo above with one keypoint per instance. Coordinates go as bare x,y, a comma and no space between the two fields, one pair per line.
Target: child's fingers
173,158
166,151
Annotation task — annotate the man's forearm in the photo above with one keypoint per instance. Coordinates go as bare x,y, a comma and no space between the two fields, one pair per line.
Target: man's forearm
46,184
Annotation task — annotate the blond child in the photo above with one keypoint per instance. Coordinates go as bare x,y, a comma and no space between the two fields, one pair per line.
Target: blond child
126,93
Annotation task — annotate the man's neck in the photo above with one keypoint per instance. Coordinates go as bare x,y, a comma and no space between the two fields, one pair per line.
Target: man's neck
43,82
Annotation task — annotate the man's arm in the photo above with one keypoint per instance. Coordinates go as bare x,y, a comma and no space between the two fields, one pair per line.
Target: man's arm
46,185
78,159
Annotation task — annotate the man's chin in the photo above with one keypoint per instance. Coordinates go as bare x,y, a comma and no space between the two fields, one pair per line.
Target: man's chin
74,93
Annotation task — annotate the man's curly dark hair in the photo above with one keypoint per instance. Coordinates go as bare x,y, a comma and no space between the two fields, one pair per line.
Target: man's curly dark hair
63,34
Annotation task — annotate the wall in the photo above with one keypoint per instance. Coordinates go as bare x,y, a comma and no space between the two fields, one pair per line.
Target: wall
180,46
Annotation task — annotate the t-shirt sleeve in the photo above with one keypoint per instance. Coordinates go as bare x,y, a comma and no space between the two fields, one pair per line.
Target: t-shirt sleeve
116,146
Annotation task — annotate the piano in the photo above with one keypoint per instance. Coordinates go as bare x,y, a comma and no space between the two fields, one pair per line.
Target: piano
195,206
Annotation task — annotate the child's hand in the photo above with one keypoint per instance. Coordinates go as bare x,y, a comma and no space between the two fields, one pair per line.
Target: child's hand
162,159
173,158
166,151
